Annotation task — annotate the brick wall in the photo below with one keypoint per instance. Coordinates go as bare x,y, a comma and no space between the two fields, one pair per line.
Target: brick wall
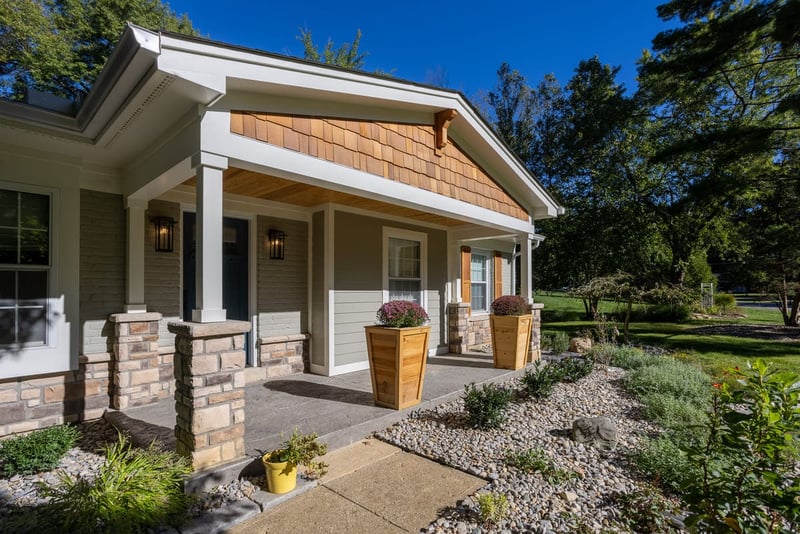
30,403
102,267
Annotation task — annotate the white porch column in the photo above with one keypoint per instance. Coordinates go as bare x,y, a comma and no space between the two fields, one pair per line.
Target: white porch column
209,169
526,266
134,267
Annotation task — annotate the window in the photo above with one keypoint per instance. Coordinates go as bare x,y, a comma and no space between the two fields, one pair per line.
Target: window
404,265
479,281
24,267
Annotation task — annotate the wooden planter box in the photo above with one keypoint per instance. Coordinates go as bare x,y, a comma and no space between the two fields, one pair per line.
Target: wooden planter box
397,360
511,340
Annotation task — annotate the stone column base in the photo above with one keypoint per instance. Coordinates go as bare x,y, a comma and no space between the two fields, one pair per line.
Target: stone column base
209,394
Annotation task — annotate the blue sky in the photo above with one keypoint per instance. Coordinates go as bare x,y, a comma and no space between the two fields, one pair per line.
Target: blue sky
467,41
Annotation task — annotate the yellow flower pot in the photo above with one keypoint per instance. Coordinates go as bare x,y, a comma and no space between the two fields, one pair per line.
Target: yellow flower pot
281,476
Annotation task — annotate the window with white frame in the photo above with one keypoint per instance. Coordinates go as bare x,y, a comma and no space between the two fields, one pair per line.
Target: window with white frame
24,267
404,265
480,276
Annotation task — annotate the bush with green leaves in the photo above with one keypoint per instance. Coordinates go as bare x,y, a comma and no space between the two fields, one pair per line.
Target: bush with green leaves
41,450
492,508
573,369
684,420
666,464
486,405
535,460
557,342
671,377
628,357
538,381
643,510
747,467
136,489
724,302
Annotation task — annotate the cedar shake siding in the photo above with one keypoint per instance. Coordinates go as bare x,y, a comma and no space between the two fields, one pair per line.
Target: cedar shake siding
400,152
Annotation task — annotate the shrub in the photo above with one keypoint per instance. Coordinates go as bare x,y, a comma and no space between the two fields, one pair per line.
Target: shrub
666,464
747,479
41,450
486,406
671,377
492,508
301,449
644,510
136,489
675,414
724,302
557,343
401,314
633,358
663,313
573,369
538,381
537,461
510,305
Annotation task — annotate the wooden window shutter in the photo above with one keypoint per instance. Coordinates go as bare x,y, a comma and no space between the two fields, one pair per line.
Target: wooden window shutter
498,273
466,274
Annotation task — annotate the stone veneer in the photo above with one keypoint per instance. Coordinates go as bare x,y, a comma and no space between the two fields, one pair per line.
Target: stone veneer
31,403
141,374
210,391
284,355
466,332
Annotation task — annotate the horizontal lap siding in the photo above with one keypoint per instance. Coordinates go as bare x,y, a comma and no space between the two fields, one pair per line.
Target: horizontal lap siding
354,311
282,296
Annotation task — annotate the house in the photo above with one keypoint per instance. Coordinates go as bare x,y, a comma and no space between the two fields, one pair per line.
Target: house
211,208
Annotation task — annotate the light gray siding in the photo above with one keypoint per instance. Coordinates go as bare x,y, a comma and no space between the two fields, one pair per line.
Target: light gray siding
508,275
162,270
102,267
358,281
282,296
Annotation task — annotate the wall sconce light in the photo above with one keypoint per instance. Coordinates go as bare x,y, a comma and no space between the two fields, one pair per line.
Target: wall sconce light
165,234
277,244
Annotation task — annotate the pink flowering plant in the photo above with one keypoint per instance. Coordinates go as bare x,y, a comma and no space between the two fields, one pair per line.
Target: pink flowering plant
510,305
401,314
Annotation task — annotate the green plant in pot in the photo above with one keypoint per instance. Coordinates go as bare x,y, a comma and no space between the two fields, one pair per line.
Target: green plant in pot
281,464
511,321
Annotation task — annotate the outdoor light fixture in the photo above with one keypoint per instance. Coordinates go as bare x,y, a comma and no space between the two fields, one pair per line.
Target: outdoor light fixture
165,233
277,244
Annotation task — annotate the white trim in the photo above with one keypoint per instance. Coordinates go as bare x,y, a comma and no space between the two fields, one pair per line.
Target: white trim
329,292
349,368
490,274
262,157
186,195
401,233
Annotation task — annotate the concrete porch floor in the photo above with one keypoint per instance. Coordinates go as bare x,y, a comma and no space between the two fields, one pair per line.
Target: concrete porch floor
339,409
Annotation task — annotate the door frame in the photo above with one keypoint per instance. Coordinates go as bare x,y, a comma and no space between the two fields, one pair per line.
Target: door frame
252,290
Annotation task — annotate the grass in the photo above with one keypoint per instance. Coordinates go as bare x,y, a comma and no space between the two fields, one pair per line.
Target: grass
714,352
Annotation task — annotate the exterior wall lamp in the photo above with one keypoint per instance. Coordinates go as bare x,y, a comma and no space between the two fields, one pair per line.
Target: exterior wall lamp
165,234
276,240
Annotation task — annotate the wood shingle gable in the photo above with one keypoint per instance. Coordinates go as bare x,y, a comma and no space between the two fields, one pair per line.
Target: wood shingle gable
400,152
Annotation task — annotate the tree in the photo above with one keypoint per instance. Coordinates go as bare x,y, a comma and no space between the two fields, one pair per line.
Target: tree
724,88
346,56
61,46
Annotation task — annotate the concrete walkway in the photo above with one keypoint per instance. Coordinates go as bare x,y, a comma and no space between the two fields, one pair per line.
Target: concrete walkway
370,487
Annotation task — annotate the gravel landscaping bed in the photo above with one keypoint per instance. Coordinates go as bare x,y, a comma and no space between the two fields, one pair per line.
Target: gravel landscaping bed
583,504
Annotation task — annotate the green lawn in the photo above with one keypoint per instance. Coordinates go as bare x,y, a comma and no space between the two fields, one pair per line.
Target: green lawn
714,352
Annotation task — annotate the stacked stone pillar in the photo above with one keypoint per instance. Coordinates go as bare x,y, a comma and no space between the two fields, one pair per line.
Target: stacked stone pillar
135,366
210,394
457,327
535,353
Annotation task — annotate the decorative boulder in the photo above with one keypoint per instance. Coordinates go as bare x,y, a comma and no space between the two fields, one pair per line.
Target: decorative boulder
601,432
581,345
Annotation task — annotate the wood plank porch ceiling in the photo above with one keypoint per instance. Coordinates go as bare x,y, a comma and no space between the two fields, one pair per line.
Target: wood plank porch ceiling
253,184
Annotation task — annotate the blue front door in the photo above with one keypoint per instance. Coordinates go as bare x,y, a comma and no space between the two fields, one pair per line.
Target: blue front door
235,272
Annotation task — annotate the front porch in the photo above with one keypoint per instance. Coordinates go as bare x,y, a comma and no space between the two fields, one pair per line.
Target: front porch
338,408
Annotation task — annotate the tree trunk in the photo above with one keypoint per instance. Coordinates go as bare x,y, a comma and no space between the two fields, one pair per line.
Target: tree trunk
793,319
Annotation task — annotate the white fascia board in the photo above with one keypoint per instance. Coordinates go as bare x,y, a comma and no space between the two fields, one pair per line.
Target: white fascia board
268,159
